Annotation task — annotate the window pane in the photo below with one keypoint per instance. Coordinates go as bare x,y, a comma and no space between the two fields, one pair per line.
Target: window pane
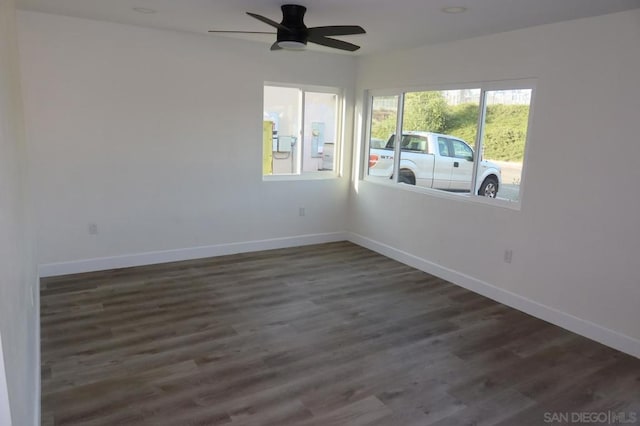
461,150
384,117
505,134
438,128
320,131
282,110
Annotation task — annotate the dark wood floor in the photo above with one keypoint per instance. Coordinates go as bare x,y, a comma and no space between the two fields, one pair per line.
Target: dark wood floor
325,335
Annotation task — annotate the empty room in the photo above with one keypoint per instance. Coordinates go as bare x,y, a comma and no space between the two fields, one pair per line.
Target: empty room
207,217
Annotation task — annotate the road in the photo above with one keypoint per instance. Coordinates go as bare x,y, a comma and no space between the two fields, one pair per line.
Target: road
509,192
511,176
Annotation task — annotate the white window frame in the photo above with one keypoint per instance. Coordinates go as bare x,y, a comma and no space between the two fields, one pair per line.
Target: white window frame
338,146
485,86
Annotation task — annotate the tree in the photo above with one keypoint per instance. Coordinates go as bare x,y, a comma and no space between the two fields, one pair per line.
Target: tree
385,127
425,111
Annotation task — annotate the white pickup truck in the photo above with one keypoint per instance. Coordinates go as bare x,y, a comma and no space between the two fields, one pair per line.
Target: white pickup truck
436,161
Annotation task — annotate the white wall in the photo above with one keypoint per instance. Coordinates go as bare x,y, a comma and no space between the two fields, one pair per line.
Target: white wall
17,269
576,240
155,136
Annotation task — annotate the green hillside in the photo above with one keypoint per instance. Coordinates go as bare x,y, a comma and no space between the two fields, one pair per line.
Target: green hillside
505,127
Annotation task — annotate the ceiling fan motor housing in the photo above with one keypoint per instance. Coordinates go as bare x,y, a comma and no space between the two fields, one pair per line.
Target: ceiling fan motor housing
293,19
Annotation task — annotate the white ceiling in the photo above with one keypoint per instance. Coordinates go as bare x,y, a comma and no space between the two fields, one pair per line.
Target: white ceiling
389,24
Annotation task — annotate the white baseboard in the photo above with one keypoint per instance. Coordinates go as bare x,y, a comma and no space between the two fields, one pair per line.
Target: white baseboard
165,256
567,321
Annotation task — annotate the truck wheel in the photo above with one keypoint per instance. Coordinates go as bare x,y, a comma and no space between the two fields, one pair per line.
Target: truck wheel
489,187
406,177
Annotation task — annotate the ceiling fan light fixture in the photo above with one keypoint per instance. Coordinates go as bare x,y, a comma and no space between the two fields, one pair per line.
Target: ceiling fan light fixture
292,45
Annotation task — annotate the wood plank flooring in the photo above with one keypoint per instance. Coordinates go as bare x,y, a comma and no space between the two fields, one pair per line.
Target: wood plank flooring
331,334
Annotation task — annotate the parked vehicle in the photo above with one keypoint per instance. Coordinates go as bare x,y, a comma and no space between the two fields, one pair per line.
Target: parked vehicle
436,161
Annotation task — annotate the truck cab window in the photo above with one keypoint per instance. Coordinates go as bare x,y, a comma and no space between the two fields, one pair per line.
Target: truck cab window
461,150
443,147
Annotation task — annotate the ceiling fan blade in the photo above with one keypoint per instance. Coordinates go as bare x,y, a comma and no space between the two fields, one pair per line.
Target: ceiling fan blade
268,21
336,30
241,32
275,46
332,42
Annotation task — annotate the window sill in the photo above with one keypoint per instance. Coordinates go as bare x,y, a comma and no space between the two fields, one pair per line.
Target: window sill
328,175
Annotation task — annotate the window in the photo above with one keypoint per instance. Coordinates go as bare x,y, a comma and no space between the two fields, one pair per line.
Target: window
443,147
505,134
452,140
383,118
461,150
301,130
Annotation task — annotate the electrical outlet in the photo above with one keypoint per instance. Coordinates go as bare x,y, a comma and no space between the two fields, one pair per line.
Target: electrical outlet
508,255
93,229
301,211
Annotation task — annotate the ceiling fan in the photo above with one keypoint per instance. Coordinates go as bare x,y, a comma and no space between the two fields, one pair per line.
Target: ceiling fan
293,34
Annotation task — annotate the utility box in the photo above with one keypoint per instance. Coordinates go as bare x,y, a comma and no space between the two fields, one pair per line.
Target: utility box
285,143
327,156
